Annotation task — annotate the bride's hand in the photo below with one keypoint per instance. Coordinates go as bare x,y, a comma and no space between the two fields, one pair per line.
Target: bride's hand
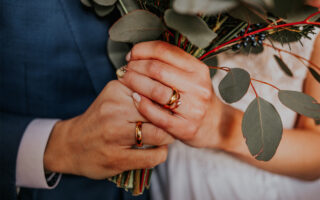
153,69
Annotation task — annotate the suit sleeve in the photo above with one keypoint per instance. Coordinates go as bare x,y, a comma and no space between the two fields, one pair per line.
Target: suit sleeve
12,128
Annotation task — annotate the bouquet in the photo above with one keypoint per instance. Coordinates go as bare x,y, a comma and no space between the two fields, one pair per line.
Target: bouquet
205,28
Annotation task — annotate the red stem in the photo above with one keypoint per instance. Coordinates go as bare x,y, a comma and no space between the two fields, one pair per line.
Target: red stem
265,83
179,41
185,44
227,69
262,30
254,89
293,54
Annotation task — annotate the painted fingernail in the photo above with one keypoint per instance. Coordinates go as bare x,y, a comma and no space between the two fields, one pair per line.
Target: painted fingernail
136,97
121,72
128,56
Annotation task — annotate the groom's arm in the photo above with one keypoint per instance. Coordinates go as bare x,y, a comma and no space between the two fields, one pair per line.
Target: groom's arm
12,128
30,168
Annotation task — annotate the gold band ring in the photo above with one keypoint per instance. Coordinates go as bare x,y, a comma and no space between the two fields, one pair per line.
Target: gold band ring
175,97
174,101
139,134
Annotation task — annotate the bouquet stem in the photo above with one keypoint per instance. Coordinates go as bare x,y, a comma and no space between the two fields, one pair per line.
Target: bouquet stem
134,181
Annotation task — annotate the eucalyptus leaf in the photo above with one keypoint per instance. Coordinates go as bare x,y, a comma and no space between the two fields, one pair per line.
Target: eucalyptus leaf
191,26
105,2
117,52
103,11
208,7
300,103
301,14
282,8
212,61
262,128
314,74
292,10
283,66
137,26
234,85
249,13
87,3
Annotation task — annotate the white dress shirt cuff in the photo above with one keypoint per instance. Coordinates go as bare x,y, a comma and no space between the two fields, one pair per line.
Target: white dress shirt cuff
30,170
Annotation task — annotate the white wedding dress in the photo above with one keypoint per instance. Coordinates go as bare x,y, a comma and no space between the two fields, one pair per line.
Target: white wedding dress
192,173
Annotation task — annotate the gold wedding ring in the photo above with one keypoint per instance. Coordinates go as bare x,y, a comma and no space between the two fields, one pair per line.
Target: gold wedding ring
139,134
174,101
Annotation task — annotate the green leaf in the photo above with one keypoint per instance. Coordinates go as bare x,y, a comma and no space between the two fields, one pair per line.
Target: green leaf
292,10
262,128
86,3
211,61
300,103
249,13
105,2
317,121
301,14
102,11
283,65
117,52
191,26
208,7
137,26
234,85
314,74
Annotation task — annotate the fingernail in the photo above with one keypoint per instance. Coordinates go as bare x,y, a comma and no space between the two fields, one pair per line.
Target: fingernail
128,56
121,72
136,97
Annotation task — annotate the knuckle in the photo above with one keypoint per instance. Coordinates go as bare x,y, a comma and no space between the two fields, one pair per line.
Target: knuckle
158,136
190,132
160,48
154,69
158,93
206,93
200,112
104,109
112,84
150,162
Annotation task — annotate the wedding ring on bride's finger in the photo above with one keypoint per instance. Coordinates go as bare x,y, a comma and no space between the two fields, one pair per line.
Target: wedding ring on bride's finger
139,134
174,101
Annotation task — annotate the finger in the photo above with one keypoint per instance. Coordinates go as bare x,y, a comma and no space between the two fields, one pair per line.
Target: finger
162,72
151,135
177,126
155,91
144,158
147,87
165,52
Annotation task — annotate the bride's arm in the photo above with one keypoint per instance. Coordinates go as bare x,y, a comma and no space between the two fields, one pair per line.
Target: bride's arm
298,154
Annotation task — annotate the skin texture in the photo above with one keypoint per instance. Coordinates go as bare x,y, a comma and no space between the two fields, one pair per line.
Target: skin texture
204,121
97,144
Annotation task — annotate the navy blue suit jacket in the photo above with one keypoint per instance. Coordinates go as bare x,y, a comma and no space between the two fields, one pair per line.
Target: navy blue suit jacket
53,64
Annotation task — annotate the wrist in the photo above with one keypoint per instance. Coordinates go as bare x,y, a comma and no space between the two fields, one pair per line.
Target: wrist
56,153
226,127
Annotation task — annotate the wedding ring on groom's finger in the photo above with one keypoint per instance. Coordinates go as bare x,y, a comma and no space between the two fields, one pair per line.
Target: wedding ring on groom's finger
174,101
139,134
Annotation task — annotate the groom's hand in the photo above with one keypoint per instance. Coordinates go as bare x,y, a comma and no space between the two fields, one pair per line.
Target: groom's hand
153,69
97,144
